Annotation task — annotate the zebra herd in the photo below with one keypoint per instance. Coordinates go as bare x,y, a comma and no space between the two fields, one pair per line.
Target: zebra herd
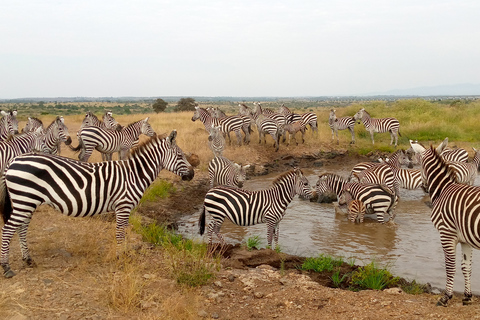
78,188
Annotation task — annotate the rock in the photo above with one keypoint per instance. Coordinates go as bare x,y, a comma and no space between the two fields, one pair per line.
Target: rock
202,314
258,295
393,291
218,284
215,315
231,278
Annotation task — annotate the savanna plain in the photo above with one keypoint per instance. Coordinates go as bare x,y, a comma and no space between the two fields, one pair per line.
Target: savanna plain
166,276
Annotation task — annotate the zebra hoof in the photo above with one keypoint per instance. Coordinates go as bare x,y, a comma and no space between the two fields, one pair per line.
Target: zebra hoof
29,262
467,301
443,301
9,273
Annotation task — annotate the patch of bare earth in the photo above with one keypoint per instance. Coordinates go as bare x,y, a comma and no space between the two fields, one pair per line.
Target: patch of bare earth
79,277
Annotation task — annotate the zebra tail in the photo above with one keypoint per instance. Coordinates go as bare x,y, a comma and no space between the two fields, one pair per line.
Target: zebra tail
201,222
77,148
5,203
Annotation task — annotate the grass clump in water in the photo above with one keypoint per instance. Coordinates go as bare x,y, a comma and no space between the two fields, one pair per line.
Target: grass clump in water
253,243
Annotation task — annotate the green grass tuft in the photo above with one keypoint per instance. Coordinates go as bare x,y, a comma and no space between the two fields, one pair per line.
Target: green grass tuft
322,263
372,277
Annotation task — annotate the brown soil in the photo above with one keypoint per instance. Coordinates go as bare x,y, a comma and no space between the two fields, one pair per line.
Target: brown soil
78,277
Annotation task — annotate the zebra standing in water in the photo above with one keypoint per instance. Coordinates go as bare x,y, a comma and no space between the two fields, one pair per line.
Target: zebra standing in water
216,141
341,124
455,214
222,171
8,124
356,208
246,208
379,125
110,141
81,189
466,172
377,198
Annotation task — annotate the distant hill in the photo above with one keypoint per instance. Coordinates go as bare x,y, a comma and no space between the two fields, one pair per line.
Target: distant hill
465,89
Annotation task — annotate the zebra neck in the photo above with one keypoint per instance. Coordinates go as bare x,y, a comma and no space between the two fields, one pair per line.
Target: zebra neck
438,180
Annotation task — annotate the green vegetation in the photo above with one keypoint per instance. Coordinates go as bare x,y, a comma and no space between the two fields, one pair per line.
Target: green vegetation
159,189
253,243
189,262
372,277
322,263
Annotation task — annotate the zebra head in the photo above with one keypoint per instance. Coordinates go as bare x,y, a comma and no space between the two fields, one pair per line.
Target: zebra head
174,159
39,140
196,113
146,128
32,124
10,122
359,115
60,131
241,174
109,121
302,186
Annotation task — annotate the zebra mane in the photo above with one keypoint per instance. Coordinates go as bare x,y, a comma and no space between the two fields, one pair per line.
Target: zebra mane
334,176
130,124
91,115
36,119
51,124
147,143
443,163
282,177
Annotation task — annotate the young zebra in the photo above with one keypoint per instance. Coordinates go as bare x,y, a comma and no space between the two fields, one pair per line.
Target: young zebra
110,141
341,124
455,214
81,189
32,125
292,129
379,125
222,171
246,208
55,134
356,208
8,124
228,124
377,198
216,141
466,172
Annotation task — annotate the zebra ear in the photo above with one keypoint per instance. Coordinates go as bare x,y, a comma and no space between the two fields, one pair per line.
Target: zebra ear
442,145
146,119
172,137
39,130
14,113
3,113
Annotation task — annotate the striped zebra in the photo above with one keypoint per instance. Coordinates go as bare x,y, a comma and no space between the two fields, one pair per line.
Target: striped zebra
216,141
91,120
246,208
406,178
55,134
246,126
455,214
341,124
356,208
32,124
398,156
267,125
455,155
379,125
466,173
378,199
292,129
222,171
8,124
309,118
81,189
110,141
228,124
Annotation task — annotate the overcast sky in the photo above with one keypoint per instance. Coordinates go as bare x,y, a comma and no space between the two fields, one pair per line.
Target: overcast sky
102,48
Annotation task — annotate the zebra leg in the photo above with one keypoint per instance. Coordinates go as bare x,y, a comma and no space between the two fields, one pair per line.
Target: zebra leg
8,231
353,135
449,244
121,217
239,137
270,232
22,234
276,232
467,272
371,135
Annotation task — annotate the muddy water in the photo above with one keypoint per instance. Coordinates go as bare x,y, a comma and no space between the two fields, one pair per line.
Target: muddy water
411,247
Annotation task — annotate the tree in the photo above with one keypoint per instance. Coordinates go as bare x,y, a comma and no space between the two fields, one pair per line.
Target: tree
159,105
186,104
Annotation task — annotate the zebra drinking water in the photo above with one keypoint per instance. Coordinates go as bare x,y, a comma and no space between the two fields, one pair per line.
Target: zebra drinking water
81,189
455,214
246,208
341,124
222,171
379,125
110,141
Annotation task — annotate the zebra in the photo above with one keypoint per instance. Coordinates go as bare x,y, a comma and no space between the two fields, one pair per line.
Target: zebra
293,128
228,124
466,172
406,178
379,125
455,155
267,125
222,171
8,124
455,214
356,208
110,141
246,126
91,120
341,124
216,141
81,189
55,134
32,124
246,208
309,118
398,156
377,198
